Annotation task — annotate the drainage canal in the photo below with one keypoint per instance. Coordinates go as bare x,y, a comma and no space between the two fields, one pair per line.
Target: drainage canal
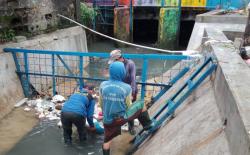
46,138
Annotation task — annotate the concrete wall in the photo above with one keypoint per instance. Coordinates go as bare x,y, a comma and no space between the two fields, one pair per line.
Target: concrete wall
11,90
34,16
197,128
217,120
231,84
231,87
71,39
235,24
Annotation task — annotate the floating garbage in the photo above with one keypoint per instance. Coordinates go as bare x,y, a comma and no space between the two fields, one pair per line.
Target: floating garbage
27,109
99,127
125,127
18,104
51,110
59,124
46,109
58,98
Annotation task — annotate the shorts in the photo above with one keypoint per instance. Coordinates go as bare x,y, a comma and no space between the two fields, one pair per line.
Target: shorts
114,129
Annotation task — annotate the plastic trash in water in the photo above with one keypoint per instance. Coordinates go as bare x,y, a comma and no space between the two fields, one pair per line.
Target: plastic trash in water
58,98
59,124
125,127
20,103
99,128
27,109
136,122
41,116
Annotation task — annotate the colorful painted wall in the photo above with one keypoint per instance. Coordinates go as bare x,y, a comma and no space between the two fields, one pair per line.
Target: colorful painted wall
121,23
168,27
210,4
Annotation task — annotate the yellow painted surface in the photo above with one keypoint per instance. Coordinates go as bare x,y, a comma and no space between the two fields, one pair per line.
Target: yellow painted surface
193,3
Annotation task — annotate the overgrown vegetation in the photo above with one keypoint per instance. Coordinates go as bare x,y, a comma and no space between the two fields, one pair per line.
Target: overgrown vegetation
6,35
88,14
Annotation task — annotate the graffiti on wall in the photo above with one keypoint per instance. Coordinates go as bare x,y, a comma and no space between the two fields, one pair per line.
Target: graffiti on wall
168,27
121,23
184,3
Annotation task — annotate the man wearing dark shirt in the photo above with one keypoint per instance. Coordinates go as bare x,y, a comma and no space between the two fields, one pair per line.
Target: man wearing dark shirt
130,78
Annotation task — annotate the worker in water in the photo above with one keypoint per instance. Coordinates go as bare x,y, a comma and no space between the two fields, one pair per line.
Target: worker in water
78,108
116,102
130,78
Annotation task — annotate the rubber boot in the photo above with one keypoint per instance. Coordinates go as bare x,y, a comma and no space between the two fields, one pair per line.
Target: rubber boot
145,120
105,152
131,127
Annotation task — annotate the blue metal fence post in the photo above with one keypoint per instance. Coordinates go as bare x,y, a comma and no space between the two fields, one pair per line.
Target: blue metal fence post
53,74
18,72
65,65
144,77
162,3
26,67
81,71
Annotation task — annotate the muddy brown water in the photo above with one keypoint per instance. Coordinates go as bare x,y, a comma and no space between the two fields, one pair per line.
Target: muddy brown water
14,127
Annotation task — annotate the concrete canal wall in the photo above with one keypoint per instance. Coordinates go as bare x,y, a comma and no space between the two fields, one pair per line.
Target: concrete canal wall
231,86
215,119
70,39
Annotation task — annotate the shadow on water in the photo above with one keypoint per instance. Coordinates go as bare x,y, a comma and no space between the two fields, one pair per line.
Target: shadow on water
47,139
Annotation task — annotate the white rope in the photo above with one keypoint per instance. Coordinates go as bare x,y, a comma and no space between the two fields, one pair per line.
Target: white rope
121,41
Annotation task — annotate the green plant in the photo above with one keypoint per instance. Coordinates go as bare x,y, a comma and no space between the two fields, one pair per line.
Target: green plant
87,14
7,35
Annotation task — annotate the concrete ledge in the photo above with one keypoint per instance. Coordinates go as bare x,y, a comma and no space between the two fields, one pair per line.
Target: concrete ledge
213,18
230,24
11,90
231,87
69,39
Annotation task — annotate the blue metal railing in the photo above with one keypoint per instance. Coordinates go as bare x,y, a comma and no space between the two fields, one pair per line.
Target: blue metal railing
32,65
175,101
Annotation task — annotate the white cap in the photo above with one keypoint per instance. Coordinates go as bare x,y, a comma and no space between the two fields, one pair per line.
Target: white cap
114,55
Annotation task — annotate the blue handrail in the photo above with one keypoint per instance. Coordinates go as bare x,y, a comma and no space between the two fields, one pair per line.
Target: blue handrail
79,77
165,111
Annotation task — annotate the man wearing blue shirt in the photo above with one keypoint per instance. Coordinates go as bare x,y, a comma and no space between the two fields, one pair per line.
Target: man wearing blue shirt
75,111
116,102
130,78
